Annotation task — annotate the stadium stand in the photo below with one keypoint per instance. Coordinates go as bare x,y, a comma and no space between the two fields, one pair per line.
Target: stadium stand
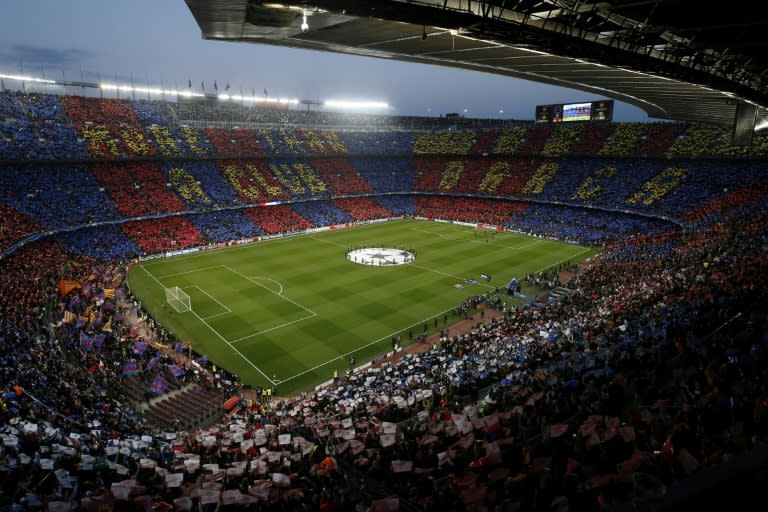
643,386
340,176
277,219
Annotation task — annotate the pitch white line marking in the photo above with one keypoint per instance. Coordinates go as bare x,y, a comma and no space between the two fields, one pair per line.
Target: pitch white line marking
481,241
463,279
270,291
214,316
274,328
388,336
210,297
188,272
215,332
269,279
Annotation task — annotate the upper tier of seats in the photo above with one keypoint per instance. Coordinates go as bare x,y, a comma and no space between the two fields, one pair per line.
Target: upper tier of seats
45,127
69,162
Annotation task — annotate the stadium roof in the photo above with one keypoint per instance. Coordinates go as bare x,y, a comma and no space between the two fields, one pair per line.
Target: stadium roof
676,60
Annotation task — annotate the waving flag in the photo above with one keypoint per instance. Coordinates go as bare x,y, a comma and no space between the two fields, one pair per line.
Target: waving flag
160,385
69,317
130,367
152,363
201,360
139,347
86,341
177,370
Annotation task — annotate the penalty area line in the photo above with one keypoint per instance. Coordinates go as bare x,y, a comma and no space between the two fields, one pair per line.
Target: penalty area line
275,328
215,332
270,291
210,297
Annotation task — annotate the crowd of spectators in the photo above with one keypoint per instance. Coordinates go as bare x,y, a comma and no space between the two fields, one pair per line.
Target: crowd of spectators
341,176
615,396
322,213
14,227
138,189
157,236
648,375
465,209
399,205
377,143
363,208
38,126
102,243
253,181
619,197
588,227
225,226
49,118
386,174
234,142
281,218
56,197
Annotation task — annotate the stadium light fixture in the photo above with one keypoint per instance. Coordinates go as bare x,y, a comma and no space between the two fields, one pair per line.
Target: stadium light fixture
304,24
25,78
352,105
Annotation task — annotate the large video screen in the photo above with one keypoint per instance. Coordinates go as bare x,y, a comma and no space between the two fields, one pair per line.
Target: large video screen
577,112
601,110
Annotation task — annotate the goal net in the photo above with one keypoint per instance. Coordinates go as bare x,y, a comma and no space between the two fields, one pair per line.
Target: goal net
177,299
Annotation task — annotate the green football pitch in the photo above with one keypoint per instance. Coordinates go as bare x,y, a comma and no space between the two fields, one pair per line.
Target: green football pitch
288,311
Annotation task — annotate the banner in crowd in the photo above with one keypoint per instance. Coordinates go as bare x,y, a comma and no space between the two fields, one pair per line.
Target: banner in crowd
160,385
130,367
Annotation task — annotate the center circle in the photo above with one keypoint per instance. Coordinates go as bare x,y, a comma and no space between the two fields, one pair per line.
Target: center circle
380,256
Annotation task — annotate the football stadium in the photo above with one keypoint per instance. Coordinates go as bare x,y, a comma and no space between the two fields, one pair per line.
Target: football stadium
215,301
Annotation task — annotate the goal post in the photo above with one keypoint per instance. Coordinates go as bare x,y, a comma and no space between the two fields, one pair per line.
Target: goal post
177,299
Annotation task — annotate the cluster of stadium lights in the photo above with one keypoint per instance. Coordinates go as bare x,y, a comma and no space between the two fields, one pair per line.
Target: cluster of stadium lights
128,89
23,78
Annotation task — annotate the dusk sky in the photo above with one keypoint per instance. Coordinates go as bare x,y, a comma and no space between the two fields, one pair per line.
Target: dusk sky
158,43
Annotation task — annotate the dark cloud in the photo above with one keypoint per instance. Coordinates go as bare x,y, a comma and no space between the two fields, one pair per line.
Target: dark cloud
45,56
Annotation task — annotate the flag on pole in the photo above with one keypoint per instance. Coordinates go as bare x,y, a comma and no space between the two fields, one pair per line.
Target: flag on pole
226,87
215,86
190,83
266,93
130,367
203,85
160,385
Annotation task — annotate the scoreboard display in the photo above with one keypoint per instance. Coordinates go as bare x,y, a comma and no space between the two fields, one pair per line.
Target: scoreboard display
601,110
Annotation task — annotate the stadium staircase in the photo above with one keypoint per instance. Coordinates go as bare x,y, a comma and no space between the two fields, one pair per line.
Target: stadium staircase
187,408
184,406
